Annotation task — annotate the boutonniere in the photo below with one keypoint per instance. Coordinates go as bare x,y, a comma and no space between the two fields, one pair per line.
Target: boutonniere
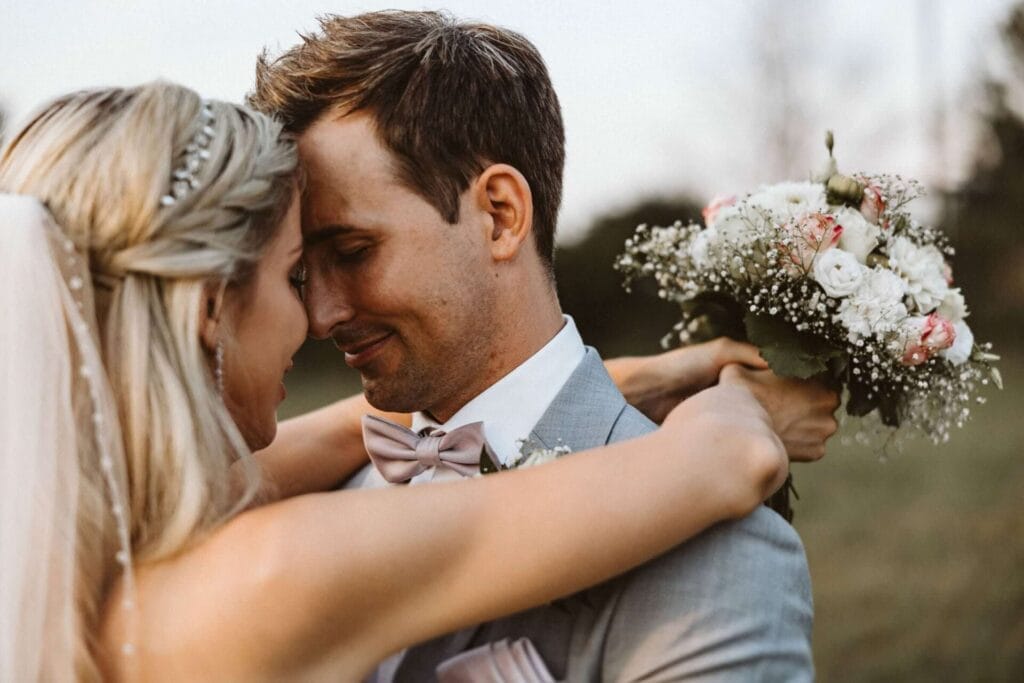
530,454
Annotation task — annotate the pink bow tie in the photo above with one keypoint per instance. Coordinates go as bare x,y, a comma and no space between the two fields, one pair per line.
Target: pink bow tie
400,454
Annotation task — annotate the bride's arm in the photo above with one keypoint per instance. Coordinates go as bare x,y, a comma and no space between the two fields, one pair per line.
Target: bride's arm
320,450
349,577
656,384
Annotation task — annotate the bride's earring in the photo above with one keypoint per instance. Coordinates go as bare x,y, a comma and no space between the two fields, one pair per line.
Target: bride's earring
218,369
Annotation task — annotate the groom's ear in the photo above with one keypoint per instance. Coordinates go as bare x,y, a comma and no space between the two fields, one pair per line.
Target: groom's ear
504,196
210,313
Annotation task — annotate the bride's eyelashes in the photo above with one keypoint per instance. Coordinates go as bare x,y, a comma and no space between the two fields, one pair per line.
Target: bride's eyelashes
297,277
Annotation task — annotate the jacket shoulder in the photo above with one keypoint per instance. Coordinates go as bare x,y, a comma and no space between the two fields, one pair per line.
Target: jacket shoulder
630,424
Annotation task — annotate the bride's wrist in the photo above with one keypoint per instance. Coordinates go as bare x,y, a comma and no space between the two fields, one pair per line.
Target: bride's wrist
733,468
640,385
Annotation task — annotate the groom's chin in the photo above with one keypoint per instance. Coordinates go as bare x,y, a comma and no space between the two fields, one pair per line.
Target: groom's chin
390,396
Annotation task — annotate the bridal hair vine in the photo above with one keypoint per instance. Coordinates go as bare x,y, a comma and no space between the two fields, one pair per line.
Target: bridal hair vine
104,425
185,177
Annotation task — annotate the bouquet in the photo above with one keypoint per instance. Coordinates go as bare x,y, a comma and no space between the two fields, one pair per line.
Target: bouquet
830,278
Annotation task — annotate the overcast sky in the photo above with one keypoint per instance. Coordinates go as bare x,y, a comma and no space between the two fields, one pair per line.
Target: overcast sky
659,97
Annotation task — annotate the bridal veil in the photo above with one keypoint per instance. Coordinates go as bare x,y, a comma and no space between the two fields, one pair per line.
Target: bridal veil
61,452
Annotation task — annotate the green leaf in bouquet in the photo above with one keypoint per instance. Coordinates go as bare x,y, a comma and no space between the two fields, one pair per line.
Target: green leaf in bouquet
836,377
718,315
487,465
789,353
861,400
841,189
890,410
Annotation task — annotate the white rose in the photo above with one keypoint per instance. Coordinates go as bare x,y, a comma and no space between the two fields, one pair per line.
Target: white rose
953,306
859,236
838,273
922,268
876,307
963,345
786,200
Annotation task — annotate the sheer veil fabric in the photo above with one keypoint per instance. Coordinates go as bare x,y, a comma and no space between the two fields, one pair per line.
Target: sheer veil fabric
60,446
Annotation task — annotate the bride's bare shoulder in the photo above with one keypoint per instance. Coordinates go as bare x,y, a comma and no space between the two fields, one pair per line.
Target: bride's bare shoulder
219,609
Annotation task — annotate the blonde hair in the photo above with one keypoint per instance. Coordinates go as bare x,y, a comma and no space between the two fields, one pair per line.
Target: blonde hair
101,161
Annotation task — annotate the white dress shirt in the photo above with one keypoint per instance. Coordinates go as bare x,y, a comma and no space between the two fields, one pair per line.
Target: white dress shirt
513,405
509,409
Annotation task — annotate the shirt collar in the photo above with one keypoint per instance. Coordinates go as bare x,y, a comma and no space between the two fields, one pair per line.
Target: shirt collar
511,407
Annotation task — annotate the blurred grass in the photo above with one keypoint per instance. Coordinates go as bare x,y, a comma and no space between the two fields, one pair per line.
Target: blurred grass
320,377
917,561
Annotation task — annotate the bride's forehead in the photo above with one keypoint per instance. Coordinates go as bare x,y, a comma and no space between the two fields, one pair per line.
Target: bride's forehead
290,230
288,233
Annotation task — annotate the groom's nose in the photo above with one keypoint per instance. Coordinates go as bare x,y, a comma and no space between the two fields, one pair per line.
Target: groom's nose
326,307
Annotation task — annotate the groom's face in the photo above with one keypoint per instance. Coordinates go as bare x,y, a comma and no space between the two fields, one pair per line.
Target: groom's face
406,295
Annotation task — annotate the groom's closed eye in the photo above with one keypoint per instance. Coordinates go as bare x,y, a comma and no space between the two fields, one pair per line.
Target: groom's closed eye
351,253
348,245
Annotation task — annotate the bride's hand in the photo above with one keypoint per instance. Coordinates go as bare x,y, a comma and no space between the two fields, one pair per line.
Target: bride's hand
745,458
657,384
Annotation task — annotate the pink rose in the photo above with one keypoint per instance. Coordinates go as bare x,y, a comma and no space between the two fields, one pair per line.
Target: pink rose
812,234
947,272
927,336
939,334
872,205
717,204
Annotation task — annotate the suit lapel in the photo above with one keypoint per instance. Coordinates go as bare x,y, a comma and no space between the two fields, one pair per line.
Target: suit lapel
581,416
584,411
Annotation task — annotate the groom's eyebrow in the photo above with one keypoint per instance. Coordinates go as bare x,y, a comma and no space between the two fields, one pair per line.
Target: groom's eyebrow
325,233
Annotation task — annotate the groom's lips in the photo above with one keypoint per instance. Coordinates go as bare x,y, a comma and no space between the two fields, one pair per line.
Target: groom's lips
358,355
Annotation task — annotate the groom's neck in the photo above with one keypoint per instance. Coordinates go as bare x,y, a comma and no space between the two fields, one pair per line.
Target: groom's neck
525,325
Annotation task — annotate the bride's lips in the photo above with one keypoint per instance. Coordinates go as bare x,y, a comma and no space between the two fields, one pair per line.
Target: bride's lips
358,355
284,390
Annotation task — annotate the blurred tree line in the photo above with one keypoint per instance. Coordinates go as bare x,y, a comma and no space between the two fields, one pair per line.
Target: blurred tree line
985,215
613,320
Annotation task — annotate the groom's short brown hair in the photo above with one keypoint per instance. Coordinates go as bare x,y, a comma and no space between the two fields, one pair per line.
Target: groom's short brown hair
448,98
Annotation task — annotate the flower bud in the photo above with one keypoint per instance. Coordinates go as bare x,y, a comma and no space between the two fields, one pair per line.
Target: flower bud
844,190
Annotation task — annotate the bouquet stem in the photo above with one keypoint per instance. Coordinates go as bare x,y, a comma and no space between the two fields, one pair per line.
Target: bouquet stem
780,500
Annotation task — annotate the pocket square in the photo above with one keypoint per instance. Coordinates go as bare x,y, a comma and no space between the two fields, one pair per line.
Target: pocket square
497,662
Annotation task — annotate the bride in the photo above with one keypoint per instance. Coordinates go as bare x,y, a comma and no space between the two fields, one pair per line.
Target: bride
151,252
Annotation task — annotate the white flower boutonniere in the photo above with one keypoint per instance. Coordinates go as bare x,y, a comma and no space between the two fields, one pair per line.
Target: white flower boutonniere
530,454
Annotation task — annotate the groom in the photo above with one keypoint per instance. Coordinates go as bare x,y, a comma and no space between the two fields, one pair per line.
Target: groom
434,152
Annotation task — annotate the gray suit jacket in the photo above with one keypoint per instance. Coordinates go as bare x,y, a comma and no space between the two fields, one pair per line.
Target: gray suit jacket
733,604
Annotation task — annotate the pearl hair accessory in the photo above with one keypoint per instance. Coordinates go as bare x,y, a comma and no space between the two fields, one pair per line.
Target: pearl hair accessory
185,177
218,370
90,367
